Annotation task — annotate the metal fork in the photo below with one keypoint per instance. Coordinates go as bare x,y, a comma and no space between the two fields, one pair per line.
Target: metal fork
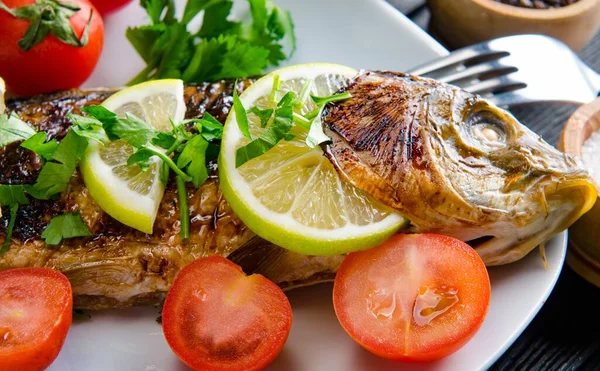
518,69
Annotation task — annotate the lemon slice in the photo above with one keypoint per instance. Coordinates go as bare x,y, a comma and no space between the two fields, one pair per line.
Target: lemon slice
292,195
127,193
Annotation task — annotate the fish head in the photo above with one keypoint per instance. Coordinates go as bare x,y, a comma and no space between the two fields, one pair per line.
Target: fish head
454,163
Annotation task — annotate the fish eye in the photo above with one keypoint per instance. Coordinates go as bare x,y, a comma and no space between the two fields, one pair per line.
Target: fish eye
487,128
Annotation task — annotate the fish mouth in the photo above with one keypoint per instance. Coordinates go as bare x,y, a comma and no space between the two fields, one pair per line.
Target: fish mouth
564,203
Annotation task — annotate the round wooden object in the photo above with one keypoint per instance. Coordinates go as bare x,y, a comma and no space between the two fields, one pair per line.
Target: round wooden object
584,236
465,22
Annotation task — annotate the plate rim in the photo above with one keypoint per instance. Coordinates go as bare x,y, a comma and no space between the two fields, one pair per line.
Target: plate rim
427,41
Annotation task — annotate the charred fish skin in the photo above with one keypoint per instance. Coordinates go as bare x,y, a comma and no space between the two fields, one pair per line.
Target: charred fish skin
453,163
119,266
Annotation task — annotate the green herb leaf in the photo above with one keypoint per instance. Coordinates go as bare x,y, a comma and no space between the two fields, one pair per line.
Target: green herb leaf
88,127
13,129
287,100
214,22
212,152
221,48
258,9
175,49
184,211
321,101
164,140
65,226
11,225
206,61
156,8
70,150
130,128
210,127
55,176
37,144
193,160
243,59
267,140
240,115
316,135
12,194
141,158
143,38
193,7
100,113
264,115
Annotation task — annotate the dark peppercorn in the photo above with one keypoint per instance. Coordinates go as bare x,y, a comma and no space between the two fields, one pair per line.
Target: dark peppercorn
537,4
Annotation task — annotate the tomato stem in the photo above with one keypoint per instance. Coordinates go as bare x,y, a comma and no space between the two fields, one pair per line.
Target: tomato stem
49,17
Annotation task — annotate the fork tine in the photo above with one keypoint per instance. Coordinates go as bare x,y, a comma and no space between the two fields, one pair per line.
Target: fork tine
457,57
477,71
498,84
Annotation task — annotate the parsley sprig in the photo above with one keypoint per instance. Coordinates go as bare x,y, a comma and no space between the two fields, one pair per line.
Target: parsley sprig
183,152
220,48
12,129
279,119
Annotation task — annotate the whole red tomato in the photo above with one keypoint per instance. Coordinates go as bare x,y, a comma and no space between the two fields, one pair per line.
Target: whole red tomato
51,64
109,6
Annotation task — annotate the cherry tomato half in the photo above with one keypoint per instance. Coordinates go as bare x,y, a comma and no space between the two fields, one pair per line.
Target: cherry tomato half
415,298
35,315
217,318
50,65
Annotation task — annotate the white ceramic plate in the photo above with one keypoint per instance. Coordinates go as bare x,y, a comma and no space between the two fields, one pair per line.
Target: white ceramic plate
362,34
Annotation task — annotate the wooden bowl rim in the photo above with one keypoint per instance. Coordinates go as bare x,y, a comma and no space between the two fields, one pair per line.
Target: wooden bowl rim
576,130
568,11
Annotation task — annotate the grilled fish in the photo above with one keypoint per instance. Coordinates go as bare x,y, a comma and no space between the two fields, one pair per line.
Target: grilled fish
452,163
413,144
119,266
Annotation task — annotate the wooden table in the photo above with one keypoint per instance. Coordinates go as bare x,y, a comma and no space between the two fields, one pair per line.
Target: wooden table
565,335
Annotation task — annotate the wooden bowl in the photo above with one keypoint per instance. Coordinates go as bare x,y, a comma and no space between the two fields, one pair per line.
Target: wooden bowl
465,22
584,236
